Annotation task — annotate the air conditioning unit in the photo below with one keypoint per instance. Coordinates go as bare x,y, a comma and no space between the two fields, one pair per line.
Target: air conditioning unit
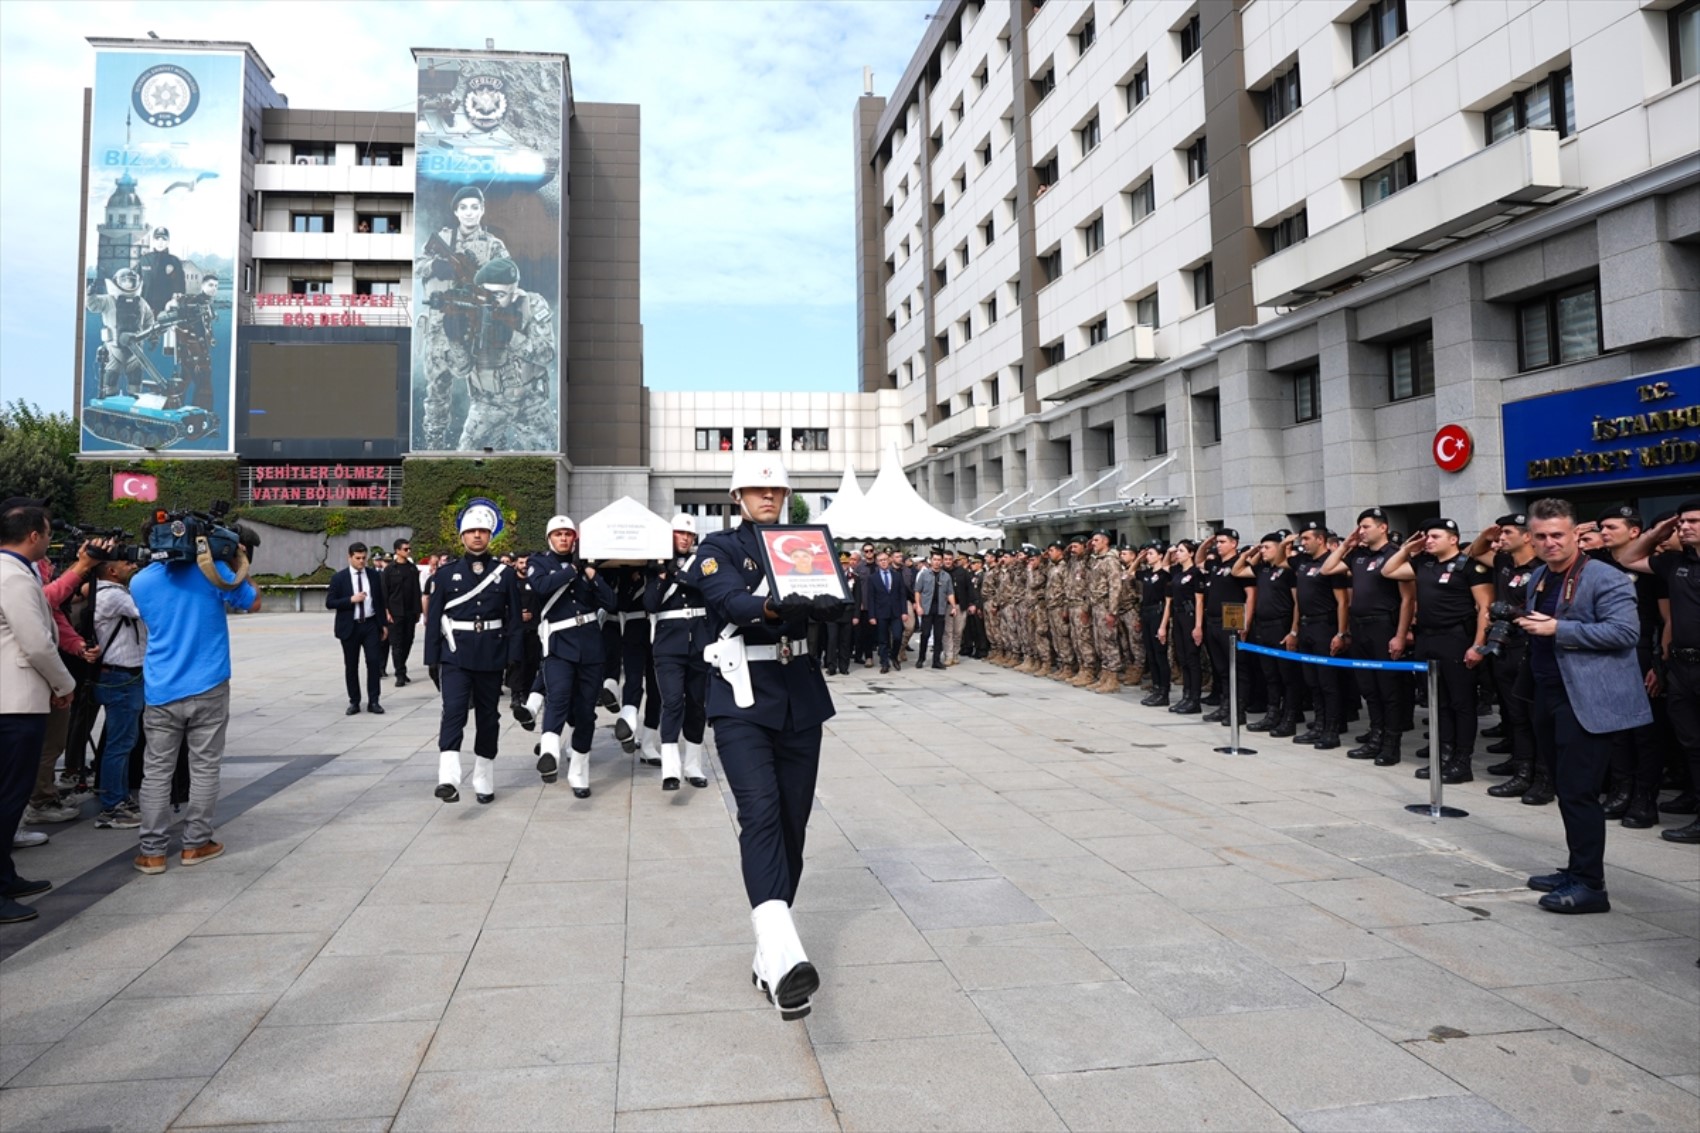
303,161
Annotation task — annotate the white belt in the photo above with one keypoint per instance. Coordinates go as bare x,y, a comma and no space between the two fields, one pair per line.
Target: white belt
782,652
473,626
631,615
570,623
687,612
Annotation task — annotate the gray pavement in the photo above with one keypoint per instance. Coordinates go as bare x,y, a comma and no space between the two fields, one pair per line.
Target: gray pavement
1033,908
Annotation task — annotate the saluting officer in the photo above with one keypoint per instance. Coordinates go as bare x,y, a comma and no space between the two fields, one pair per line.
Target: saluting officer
572,597
1183,624
1056,605
681,634
1322,633
767,701
1272,614
472,634
1222,587
1506,549
1380,620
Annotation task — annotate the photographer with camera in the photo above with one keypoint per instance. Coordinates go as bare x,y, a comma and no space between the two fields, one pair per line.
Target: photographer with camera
182,598
123,643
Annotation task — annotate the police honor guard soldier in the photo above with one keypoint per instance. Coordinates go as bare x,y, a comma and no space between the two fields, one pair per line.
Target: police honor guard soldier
472,634
680,634
569,624
767,701
1380,619
636,667
1322,633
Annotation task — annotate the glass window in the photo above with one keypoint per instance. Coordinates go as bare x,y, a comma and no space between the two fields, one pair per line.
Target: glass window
1048,171
312,153
1085,37
1053,353
1090,135
1282,97
379,223
1141,201
943,344
1534,335
1092,235
991,306
1051,266
1501,121
1379,184
1284,234
1684,41
1203,285
1190,38
1138,88
988,232
309,287
379,287
1197,161
1307,395
1209,413
1098,332
1145,310
1044,84
1561,327
311,222
1376,28
1159,432
809,440
378,153
1410,366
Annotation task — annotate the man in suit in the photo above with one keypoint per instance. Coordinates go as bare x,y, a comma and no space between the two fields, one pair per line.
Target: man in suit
886,600
36,682
404,603
1587,684
357,596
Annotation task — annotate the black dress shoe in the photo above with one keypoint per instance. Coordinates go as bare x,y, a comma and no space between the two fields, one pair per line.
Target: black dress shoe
697,783
669,784
22,888
1187,707
1493,731
353,710
447,792
1309,736
1617,803
1327,741
1685,803
402,682
548,767
1364,739
885,669
581,792
936,665
11,912
375,708
1509,767
486,799
1688,835
1499,747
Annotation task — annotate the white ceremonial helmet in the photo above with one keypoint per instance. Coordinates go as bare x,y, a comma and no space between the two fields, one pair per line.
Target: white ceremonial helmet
685,523
478,518
758,470
560,523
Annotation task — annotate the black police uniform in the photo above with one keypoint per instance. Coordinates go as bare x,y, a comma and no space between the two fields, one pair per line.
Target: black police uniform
677,614
1153,591
1638,754
572,658
1273,621
1221,588
1374,620
1679,572
1319,621
1511,586
769,751
1186,590
1446,628
472,654
635,667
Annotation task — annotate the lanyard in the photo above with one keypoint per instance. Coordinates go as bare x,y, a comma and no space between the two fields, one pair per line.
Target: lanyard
1571,577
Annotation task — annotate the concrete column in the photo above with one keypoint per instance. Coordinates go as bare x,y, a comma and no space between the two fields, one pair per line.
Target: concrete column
1254,403
1474,348
1352,377
1649,286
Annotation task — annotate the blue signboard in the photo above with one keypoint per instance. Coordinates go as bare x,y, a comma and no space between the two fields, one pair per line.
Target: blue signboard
1642,428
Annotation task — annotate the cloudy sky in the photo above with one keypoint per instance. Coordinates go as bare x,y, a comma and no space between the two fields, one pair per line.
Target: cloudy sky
748,269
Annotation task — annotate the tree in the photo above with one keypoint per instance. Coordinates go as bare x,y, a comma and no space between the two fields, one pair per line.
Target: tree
37,454
799,509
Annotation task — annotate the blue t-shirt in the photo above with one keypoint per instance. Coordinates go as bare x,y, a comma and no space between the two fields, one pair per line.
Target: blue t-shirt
188,641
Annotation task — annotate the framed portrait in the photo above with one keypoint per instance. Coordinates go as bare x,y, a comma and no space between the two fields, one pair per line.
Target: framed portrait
799,559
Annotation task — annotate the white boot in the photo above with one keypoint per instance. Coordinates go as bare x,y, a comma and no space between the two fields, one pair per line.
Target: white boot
626,726
669,767
610,695
650,751
578,774
527,713
448,776
782,969
695,771
549,759
484,778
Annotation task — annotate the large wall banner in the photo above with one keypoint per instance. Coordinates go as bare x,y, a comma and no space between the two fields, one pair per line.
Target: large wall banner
165,184
487,277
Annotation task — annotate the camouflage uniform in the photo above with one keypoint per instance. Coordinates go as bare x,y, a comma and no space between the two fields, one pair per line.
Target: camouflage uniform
446,359
991,592
1038,614
1078,618
1056,598
1127,617
510,409
1103,596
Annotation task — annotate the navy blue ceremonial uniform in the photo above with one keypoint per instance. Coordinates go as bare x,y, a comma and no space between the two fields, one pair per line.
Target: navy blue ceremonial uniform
573,655
771,750
678,616
486,637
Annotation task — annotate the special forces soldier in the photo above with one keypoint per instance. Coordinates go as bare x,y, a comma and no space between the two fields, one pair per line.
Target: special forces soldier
191,318
1035,624
767,700
1079,619
679,635
508,336
1102,586
126,320
1056,606
472,634
573,597
450,262
1127,618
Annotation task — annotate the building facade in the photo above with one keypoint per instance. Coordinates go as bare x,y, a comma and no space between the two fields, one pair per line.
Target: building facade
1167,264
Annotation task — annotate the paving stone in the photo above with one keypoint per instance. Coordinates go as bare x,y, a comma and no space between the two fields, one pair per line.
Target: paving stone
1657,1032
1016,956
364,989
837,938
505,1027
118,1107
438,884
15,1056
407,930
965,904
1213,977
1122,921
886,1001
715,1058
534,957
1315,1058
677,981
337,1072
1215,887
1406,998
813,1116
229,965
1662,964
1290,861
1110,822
1150,852
703,918
1442,874
841,889
1069,1027
1042,878
1356,840
1439,1115
1492,955
1553,1080
524,1098
282,910
1521,910
1298,934
961,1082
1377,902
121,1041
548,904
1199,1095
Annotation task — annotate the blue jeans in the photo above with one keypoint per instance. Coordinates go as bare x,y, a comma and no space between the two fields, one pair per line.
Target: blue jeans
121,695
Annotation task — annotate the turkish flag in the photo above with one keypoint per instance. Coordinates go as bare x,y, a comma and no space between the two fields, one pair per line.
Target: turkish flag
134,486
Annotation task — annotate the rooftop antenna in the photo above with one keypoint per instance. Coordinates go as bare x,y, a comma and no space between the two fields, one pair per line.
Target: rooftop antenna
867,81
489,44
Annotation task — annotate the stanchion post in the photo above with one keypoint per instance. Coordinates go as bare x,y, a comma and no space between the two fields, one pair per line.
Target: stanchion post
1434,808
1234,747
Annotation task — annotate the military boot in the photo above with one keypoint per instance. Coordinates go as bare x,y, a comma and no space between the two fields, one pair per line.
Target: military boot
1107,682
1445,758
1617,803
1643,809
1541,791
1086,677
1369,747
1065,674
1522,778
1458,769
1389,753
1288,724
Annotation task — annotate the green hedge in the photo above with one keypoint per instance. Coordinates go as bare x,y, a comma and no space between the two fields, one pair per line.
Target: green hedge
182,484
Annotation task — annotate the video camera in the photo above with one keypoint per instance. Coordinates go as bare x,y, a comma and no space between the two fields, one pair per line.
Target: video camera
70,538
201,537
1502,627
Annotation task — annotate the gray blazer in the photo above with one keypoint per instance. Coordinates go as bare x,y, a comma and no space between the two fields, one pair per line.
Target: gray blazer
1598,630
925,581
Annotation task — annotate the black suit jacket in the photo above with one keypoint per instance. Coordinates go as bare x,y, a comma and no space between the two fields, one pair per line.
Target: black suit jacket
402,595
887,603
340,597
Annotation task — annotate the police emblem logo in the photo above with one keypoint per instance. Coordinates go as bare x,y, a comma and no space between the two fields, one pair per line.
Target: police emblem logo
710,566
486,102
477,568
165,95
749,564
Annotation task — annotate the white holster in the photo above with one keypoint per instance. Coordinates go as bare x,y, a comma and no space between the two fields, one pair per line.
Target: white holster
727,654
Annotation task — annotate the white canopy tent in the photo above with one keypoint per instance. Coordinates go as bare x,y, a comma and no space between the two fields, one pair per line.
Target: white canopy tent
849,491
892,509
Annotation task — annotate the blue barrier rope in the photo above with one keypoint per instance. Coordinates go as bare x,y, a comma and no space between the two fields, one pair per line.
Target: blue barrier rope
1336,662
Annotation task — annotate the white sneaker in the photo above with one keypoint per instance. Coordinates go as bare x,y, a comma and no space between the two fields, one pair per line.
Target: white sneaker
42,815
24,839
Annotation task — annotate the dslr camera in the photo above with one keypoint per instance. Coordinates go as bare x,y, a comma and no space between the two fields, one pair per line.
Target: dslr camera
1502,627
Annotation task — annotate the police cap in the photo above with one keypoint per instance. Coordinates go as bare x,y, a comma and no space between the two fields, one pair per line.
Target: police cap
162,233
1687,506
1374,513
1313,525
1624,512
499,270
1230,533
1439,524
466,191
1515,519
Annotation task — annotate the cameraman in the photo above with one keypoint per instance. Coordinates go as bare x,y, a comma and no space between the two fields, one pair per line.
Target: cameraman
187,692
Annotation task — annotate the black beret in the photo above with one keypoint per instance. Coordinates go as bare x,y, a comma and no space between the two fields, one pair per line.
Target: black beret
1438,524
466,191
1515,519
1372,513
1623,512
1230,533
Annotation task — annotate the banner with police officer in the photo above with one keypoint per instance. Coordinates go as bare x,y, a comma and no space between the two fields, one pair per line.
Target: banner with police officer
165,180
487,269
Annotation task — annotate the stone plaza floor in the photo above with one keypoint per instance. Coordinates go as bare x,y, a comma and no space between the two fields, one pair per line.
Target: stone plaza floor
1032,907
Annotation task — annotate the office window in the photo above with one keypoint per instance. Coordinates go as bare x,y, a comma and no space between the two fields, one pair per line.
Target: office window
1307,394
378,223
1159,432
714,440
991,309
1085,37
967,325
1548,105
1282,97
980,77
1207,412
809,440
1044,84
311,222
1145,311
1203,285
941,276
962,254
1092,235
1560,327
984,154
1141,201
1018,373
1379,184
1053,354
1050,266
378,153
1098,332
312,153
1285,233
1197,161
381,287
908,310
1137,90
891,323
1090,135
253,142
1048,171
1376,28
988,232
943,343
1191,37
1684,41
1410,368
310,287
251,210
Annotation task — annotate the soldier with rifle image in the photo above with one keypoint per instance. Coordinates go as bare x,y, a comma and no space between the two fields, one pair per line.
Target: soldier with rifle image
508,337
192,316
450,262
